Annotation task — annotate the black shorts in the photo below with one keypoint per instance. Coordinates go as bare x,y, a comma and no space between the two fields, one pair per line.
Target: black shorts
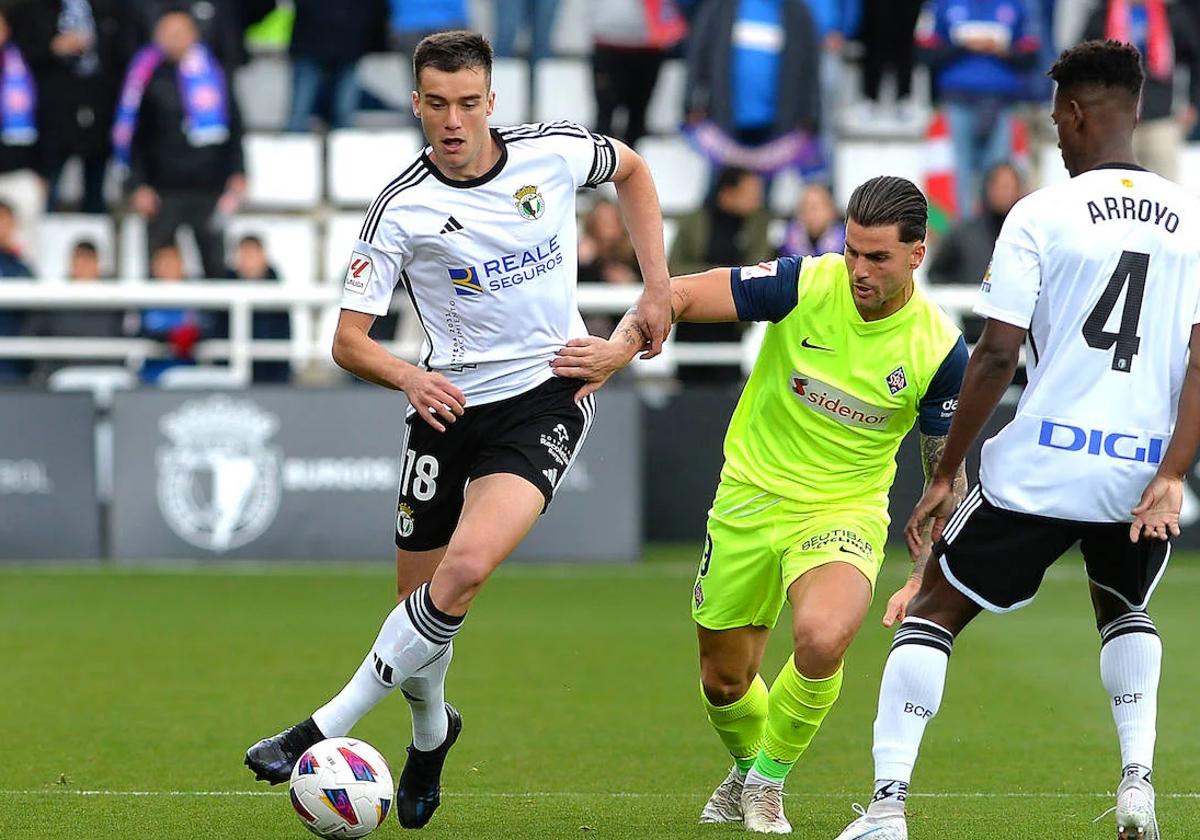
998,557
535,435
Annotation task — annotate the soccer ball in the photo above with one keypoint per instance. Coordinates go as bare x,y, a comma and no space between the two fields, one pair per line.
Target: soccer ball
342,788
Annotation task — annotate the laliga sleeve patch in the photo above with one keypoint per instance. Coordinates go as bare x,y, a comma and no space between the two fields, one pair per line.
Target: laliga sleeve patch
763,269
358,273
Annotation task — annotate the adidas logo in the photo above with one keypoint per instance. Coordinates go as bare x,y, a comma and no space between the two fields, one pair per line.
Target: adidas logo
551,475
452,225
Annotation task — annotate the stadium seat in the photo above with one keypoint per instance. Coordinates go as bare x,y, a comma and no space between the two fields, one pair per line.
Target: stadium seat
670,228
562,90
510,80
101,382
134,265
341,232
680,173
361,163
290,243
264,92
666,105
283,171
786,188
388,77
200,377
57,235
861,160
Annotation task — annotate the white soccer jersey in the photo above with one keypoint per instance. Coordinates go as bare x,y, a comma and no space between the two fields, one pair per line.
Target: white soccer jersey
1104,271
489,264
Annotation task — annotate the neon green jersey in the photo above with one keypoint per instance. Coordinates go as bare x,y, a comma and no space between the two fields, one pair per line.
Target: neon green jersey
831,395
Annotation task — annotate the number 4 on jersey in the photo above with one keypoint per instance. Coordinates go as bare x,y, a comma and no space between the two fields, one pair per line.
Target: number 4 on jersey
1132,269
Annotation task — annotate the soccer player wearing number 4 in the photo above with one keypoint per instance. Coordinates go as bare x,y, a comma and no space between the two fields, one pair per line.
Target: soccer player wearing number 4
1103,434
854,354
480,231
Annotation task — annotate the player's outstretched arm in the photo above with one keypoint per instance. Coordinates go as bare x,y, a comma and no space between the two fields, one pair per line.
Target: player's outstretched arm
703,297
1156,515
643,218
989,373
431,395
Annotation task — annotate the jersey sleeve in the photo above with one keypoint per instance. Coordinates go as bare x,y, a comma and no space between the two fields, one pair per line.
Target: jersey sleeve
373,270
768,291
592,158
941,398
1014,279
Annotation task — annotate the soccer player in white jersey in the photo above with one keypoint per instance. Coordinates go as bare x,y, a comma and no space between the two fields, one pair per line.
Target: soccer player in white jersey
1101,276
480,231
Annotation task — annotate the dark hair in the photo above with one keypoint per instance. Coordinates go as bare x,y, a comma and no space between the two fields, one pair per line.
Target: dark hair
5,207
174,8
888,200
85,245
459,49
251,239
730,176
166,246
1109,64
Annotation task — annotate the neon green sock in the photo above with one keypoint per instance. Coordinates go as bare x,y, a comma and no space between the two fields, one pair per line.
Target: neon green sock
796,710
740,724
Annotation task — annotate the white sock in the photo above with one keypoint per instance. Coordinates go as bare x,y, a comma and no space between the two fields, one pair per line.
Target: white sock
414,633
425,692
910,694
753,777
1130,664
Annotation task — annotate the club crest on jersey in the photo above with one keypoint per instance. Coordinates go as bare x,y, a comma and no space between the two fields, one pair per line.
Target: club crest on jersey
405,521
530,203
466,281
986,285
897,381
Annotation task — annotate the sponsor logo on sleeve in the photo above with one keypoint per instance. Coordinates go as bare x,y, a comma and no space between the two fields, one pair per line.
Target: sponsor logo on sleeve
763,269
358,272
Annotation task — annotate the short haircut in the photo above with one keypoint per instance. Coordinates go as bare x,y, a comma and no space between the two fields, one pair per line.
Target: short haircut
452,51
174,8
85,246
166,246
251,239
1108,64
5,207
889,200
730,176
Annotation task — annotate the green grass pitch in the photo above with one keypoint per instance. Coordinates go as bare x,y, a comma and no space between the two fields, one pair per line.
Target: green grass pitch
129,696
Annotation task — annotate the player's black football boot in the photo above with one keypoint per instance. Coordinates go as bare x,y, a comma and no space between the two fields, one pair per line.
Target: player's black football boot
420,790
272,759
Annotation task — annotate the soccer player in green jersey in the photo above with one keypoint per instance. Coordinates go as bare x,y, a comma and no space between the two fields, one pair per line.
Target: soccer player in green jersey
853,356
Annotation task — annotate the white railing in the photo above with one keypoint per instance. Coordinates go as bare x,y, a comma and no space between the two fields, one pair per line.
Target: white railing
310,341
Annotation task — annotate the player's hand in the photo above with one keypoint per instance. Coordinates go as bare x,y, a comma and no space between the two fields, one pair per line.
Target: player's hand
592,359
654,319
937,504
1156,516
897,605
434,398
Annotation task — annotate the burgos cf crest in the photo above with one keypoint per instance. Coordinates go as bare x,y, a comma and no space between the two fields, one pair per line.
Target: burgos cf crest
218,480
530,203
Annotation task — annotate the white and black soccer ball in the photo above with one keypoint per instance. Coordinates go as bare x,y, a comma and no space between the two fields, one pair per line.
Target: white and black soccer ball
342,788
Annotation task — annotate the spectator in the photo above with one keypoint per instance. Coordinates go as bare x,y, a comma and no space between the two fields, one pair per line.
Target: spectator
179,130
220,24
979,51
887,46
837,21
1166,36
536,16
12,321
179,329
250,263
729,230
631,39
73,52
412,20
20,187
328,40
743,80
818,228
83,323
606,255
964,253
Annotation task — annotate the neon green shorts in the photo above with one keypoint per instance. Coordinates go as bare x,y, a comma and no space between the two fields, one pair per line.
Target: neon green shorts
758,544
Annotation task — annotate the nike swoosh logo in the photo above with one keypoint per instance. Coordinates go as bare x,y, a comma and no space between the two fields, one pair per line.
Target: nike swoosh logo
856,554
806,343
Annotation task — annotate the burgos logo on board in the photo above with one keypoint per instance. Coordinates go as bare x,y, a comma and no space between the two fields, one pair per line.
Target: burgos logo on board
508,270
1125,447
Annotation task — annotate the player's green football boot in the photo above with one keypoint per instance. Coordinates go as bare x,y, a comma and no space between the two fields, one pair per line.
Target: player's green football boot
420,789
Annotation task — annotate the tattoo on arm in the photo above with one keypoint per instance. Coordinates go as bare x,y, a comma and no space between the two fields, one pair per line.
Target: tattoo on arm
932,447
629,331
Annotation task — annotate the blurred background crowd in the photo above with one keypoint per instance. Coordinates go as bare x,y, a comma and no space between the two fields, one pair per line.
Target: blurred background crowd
240,139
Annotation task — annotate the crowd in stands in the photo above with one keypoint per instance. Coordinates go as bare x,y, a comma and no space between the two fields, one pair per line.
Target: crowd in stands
140,92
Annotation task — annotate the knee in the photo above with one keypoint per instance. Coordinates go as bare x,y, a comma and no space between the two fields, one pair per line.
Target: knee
465,569
820,645
723,682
